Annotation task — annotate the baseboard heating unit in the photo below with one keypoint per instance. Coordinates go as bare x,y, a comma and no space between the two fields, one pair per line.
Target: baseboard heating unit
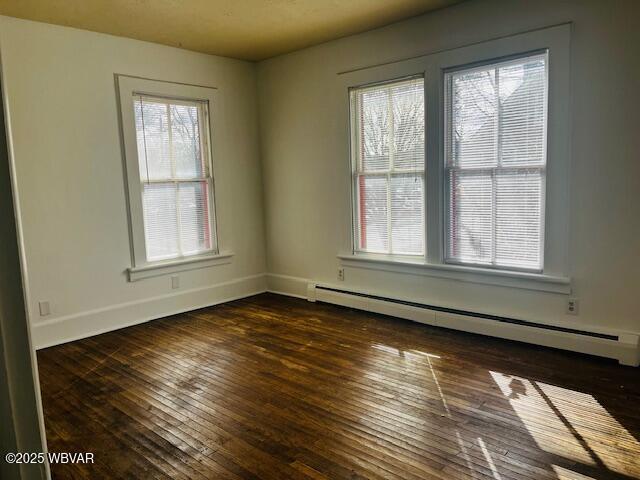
622,346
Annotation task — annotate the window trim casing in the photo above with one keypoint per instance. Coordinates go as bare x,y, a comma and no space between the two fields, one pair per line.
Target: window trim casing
556,42
556,268
127,87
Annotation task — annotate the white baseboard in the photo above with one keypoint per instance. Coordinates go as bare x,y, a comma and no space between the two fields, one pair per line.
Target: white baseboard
85,324
286,285
94,322
626,349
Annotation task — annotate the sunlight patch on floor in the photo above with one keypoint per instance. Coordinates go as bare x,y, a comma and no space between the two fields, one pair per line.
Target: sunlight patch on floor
548,431
569,424
599,430
487,457
465,454
405,354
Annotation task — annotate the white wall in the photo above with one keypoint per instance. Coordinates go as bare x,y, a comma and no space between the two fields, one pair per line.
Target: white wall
305,159
59,84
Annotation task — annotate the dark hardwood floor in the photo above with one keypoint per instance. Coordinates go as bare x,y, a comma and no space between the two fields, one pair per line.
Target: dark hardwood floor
274,387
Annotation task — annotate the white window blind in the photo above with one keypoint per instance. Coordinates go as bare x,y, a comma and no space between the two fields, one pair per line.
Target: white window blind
495,157
388,164
175,177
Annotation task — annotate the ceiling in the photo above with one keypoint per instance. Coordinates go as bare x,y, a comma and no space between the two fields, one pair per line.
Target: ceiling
246,29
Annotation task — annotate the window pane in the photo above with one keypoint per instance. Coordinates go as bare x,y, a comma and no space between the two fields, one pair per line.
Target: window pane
193,205
408,125
470,216
152,131
168,137
374,125
160,220
472,105
518,210
185,136
374,233
407,201
523,113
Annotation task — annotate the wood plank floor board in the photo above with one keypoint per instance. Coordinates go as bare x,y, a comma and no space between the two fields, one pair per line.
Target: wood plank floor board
249,393
231,415
272,387
145,442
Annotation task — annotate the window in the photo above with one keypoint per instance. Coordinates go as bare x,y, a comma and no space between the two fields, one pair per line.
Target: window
460,163
495,158
388,167
175,177
169,147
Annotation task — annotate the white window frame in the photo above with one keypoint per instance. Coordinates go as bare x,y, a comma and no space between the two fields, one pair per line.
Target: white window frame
128,88
356,172
541,169
554,276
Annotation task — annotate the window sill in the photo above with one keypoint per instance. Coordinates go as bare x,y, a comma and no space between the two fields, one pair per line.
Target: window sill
179,265
503,278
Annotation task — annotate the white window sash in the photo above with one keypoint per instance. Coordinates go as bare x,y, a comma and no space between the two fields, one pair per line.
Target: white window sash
494,171
388,175
358,171
205,159
210,220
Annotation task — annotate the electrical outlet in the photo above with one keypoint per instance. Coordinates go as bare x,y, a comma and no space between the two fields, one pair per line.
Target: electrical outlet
341,274
175,282
572,306
45,308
